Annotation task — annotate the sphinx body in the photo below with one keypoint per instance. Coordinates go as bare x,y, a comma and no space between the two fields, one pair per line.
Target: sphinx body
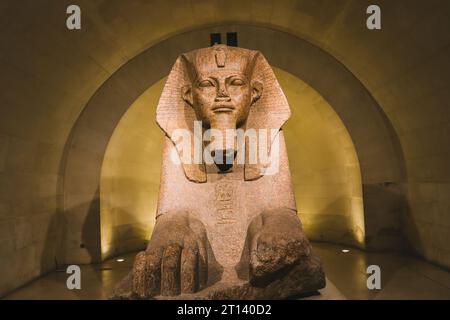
224,231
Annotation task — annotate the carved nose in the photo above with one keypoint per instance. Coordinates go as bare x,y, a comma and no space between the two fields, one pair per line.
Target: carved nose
222,95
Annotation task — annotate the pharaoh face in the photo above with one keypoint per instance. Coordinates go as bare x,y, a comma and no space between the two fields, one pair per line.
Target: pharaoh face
221,93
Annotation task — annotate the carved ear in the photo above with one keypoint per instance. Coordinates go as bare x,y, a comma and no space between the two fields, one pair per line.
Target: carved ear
173,113
269,111
257,89
186,93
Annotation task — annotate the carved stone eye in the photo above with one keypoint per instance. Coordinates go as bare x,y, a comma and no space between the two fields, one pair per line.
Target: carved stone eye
205,84
237,82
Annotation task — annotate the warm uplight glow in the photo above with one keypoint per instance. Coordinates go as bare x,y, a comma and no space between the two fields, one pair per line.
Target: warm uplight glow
120,260
129,185
345,250
322,159
324,166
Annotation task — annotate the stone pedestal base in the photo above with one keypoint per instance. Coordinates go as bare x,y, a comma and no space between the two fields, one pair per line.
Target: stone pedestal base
302,280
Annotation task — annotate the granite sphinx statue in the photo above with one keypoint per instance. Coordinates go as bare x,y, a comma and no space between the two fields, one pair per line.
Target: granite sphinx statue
227,224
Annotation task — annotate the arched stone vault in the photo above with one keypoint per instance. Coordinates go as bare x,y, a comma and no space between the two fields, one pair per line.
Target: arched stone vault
376,144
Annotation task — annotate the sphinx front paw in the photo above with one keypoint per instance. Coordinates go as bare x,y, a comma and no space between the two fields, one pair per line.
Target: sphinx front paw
276,245
175,261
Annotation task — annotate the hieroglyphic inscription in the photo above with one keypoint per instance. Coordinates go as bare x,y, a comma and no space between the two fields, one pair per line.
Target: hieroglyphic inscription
224,202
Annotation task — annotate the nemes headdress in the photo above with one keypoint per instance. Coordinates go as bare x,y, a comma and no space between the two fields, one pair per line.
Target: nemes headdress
219,57
270,111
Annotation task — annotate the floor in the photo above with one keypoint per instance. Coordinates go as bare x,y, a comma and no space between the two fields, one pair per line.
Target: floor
402,277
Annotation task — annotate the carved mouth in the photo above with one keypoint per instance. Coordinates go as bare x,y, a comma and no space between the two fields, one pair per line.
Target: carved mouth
222,108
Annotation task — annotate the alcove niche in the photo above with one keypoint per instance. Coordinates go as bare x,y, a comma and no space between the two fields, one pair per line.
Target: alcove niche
323,162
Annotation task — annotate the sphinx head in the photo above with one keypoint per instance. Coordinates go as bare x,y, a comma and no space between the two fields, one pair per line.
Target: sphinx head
222,87
221,91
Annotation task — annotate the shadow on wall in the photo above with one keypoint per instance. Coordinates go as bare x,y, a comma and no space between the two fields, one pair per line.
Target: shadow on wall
127,220
91,230
57,241
52,255
389,213
81,232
